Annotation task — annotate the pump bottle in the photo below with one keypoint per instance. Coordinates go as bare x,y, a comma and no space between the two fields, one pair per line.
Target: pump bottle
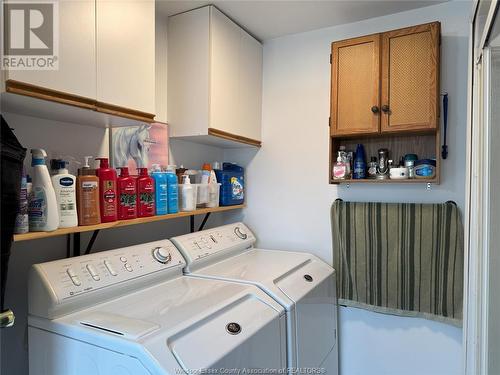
64,186
87,193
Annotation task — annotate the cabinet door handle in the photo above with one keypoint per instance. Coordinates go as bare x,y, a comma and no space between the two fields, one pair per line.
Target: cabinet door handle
375,109
385,108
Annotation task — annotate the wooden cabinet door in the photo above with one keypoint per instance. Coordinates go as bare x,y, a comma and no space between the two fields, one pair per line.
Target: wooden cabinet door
76,58
126,54
410,78
355,96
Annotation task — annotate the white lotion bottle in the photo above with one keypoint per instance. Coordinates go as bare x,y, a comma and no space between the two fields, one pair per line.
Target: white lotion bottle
188,198
43,213
65,189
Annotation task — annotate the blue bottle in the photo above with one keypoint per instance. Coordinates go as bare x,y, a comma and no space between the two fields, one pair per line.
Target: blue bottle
359,170
172,190
161,190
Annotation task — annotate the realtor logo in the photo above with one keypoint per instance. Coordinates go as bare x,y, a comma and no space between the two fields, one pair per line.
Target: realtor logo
30,35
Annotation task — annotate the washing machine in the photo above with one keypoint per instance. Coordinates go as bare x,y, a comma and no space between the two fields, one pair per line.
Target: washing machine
131,311
300,282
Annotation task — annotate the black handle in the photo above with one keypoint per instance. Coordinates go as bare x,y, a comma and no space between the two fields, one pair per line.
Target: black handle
375,109
385,108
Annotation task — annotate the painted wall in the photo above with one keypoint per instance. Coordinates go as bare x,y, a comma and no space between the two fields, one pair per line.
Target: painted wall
289,197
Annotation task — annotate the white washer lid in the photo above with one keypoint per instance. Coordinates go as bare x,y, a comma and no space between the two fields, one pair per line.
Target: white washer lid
173,318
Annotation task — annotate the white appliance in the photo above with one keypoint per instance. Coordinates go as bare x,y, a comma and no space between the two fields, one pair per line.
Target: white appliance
131,311
303,284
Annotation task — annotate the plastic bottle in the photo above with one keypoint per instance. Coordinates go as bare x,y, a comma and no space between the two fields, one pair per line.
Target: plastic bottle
145,194
161,190
172,190
65,188
107,190
42,211
87,194
22,219
359,171
213,191
188,197
339,168
127,195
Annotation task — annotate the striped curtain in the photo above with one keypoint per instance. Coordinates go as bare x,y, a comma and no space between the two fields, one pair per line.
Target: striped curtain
400,258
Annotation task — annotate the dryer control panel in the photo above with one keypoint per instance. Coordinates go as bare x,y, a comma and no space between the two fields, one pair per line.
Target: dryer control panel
101,275
209,246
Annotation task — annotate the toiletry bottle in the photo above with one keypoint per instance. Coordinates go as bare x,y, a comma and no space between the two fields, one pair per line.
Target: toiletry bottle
372,167
145,194
87,195
205,173
339,168
65,188
107,189
213,191
180,172
359,171
127,195
172,190
43,213
188,196
22,219
161,190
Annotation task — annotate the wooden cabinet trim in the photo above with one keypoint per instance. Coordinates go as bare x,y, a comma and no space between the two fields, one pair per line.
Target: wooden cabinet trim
38,92
133,114
432,124
374,38
233,137
26,89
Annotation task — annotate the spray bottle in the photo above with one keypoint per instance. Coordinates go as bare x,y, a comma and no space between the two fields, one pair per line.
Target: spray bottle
43,212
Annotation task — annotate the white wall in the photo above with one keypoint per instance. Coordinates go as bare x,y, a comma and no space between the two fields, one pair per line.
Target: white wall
289,197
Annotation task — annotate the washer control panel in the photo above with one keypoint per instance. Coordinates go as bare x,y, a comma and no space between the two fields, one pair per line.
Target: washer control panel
204,246
74,276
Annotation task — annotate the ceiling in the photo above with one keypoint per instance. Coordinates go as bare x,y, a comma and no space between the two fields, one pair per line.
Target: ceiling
273,18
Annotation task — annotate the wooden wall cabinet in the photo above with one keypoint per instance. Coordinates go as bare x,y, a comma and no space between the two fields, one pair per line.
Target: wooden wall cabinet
386,82
214,80
385,94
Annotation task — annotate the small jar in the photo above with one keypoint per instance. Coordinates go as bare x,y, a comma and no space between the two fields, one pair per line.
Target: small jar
372,167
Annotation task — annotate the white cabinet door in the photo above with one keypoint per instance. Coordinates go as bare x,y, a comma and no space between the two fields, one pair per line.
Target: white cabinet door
76,74
126,53
225,67
250,88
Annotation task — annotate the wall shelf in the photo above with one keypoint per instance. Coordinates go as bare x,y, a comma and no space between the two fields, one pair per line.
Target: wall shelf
120,223
387,181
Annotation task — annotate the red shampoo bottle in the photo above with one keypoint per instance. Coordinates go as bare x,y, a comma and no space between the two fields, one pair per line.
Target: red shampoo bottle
145,194
107,190
127,195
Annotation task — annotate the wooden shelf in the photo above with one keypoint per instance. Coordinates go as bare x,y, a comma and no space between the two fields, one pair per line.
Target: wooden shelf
120,223
387,181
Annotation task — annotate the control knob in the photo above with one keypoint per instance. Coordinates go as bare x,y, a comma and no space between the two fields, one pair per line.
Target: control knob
240,233
162,255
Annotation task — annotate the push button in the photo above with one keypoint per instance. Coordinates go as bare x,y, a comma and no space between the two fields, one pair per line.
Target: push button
71,273
110,268
123,259
128,267
76,281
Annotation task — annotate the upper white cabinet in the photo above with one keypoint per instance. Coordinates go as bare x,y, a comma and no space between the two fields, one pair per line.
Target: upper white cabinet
214,79
76,73
106,59
126,53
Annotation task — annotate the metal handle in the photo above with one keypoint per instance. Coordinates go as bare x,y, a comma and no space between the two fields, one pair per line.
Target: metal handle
385,108
375,109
